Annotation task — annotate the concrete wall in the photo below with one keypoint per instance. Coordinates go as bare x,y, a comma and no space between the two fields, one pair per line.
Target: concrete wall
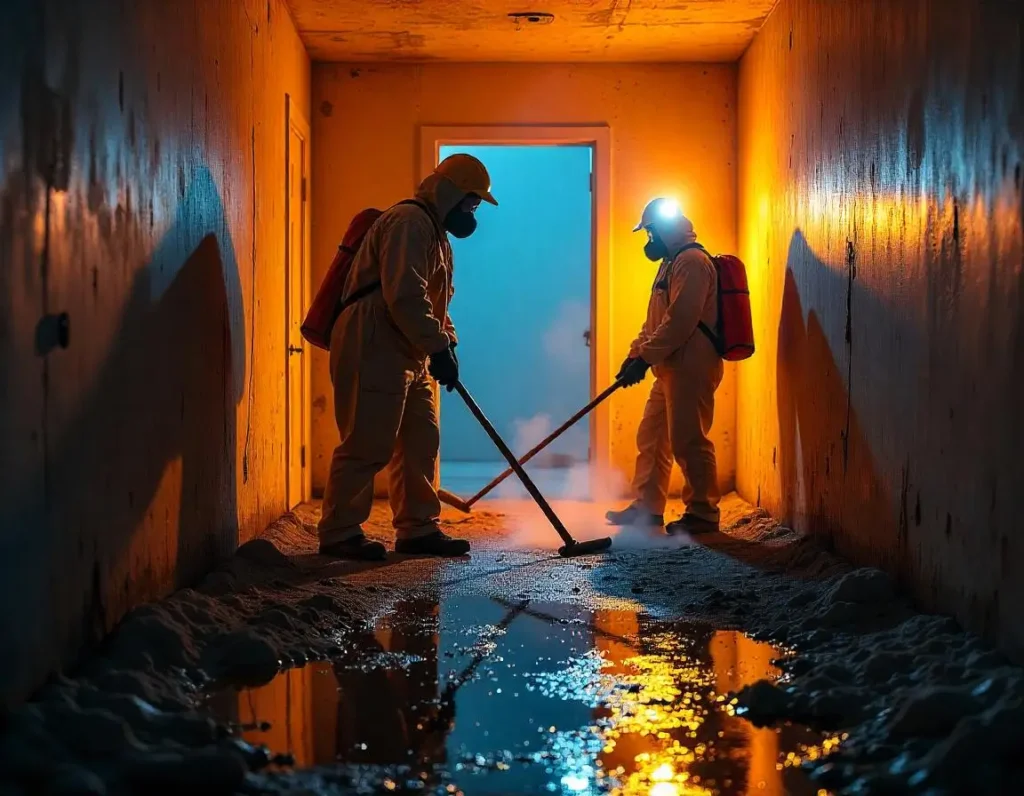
881,215
673,130
141,193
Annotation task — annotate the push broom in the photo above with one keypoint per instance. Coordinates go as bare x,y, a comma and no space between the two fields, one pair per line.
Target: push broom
571,546
467,505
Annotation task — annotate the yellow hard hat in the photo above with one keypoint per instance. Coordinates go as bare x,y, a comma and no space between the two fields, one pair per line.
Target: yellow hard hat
468,174
662,212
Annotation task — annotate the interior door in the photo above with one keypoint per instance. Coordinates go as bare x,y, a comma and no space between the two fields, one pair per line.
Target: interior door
529,365
296,301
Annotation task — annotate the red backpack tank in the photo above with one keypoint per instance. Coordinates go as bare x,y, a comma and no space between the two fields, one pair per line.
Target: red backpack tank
734,336
327,304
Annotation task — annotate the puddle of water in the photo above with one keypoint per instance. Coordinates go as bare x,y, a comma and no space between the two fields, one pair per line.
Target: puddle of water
483,696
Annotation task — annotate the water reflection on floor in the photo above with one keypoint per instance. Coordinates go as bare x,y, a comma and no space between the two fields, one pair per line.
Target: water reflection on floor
485,696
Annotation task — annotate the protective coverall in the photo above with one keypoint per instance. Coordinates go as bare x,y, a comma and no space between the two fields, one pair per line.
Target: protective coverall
384,400
687,370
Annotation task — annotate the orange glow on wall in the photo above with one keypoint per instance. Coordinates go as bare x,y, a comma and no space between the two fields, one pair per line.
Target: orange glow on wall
880,218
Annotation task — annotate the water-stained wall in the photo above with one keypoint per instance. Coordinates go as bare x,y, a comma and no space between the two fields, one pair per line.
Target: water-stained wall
672,130
881,217
142,152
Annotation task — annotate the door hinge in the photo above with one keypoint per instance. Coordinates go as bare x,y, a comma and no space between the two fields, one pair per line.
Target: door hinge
591,182
302,456
303,189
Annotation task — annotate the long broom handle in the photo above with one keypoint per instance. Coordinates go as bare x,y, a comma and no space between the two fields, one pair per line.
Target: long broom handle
516,467
586,410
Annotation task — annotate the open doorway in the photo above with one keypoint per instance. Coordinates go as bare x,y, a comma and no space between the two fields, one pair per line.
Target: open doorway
523,312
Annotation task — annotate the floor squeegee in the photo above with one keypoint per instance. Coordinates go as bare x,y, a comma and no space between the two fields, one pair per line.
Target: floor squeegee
467,505
571,546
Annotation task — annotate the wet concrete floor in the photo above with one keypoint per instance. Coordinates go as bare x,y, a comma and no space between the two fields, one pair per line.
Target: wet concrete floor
474,694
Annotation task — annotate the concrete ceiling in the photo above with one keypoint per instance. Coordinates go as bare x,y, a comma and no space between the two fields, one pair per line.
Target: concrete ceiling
481,30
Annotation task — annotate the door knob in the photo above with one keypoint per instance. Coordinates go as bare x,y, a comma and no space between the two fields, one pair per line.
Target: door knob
586,338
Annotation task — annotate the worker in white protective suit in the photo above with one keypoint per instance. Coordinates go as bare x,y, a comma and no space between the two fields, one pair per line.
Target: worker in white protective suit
385,350
687,370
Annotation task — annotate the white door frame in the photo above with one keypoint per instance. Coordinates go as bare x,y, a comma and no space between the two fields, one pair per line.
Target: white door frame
598,137
296,121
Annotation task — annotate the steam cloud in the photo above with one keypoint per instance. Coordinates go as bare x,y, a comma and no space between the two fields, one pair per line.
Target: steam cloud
580,493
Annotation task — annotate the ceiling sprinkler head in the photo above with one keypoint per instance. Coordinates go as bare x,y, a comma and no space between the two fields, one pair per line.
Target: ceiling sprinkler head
531,18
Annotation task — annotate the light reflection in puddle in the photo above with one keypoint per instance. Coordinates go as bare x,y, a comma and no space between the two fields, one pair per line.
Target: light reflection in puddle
543,698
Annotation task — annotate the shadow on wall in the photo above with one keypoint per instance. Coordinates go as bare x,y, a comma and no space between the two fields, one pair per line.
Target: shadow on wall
827,472
167,390
922,481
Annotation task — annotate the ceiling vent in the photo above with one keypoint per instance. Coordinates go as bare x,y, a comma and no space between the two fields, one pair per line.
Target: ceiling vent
531,18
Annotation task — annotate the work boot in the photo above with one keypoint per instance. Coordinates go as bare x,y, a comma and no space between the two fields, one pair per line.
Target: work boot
358,548
694,526
636,516
435,544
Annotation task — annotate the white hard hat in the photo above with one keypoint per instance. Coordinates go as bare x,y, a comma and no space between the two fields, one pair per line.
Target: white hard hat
661,211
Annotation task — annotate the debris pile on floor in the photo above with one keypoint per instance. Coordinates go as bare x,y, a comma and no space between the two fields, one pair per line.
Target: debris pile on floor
124,722
927,708
922,706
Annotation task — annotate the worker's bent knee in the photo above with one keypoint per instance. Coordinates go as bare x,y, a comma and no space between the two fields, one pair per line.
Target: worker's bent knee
374,427
360,454
693,447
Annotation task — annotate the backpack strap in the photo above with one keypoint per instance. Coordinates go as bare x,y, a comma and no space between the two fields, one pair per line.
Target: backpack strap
359,293
708,332
662,284
372,287
711,336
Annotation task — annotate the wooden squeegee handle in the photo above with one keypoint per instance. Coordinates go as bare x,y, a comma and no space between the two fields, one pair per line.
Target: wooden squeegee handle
516,467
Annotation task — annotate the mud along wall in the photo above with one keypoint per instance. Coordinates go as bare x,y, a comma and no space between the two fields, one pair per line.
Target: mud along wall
142,194
880,212
673,130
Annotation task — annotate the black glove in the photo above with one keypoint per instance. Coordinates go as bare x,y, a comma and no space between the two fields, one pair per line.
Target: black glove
622,368
445,368
633,371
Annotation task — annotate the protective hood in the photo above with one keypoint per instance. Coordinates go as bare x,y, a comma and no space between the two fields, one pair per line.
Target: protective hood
440,194
677,235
